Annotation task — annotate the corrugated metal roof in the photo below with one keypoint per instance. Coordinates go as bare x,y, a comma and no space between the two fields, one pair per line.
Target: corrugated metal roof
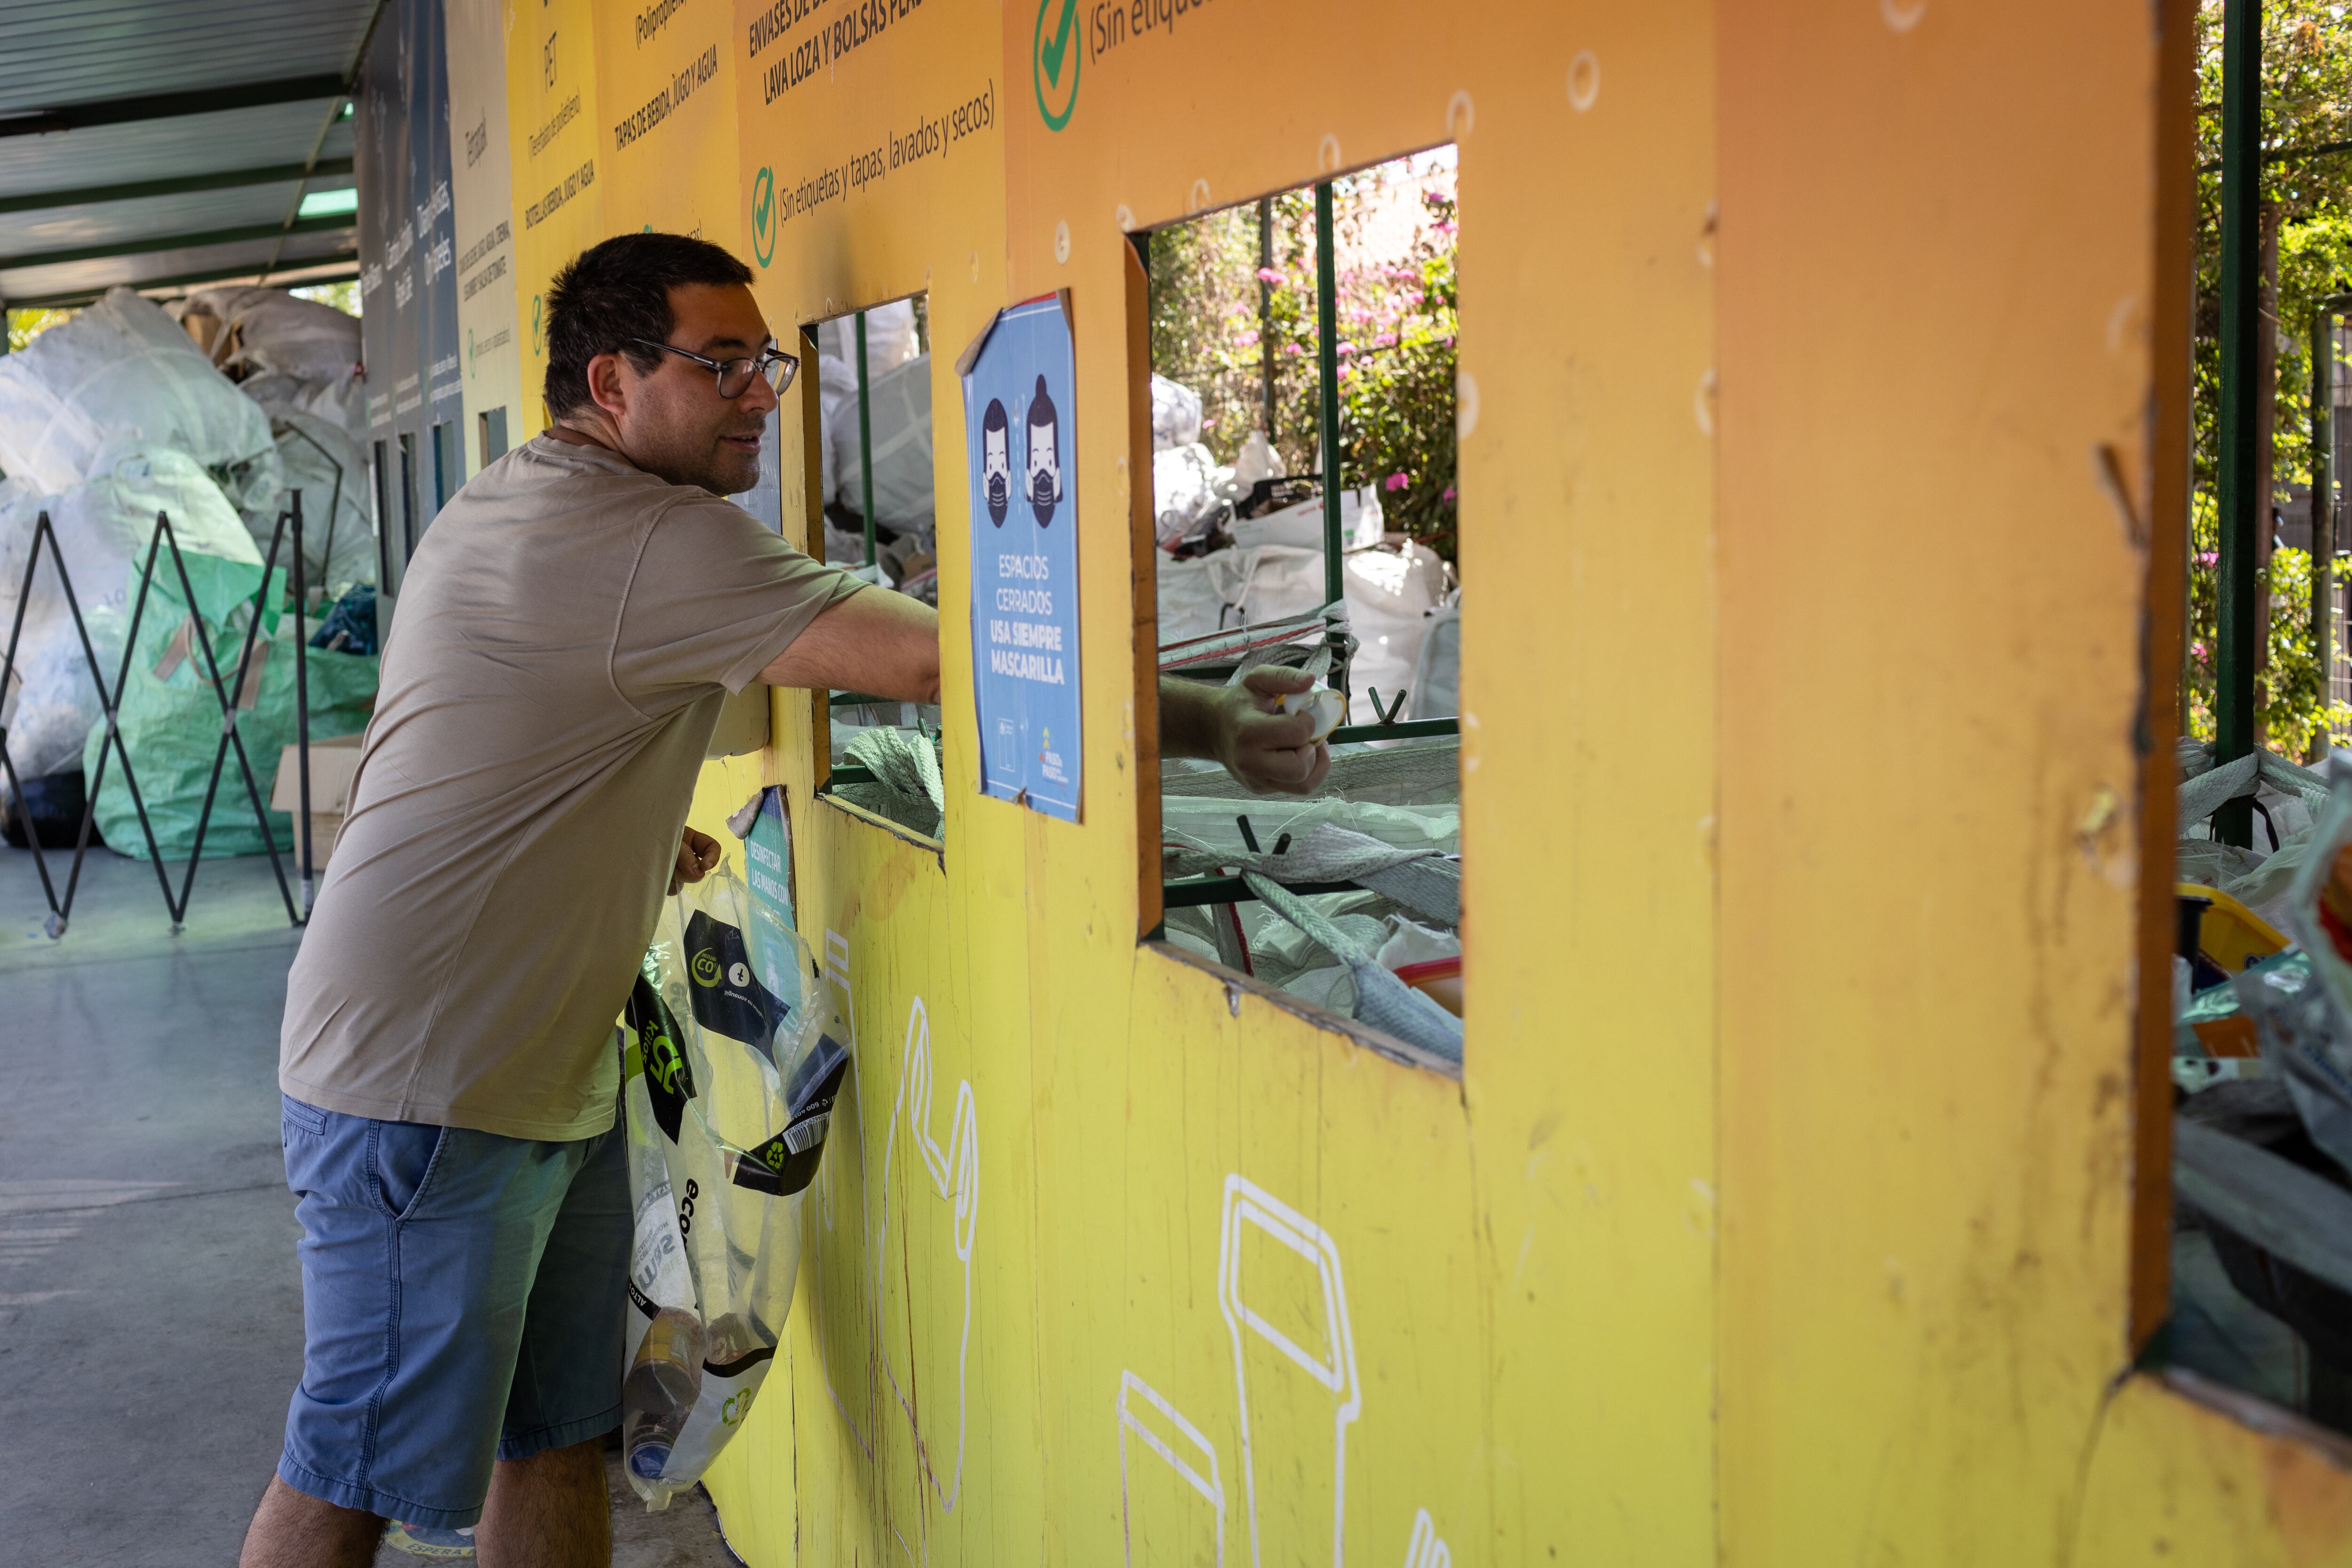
163,148
94,278
190,212
57,55
59,52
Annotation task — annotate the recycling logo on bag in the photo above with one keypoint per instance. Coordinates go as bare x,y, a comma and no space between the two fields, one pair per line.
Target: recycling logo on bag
787,1162
668,1084
728,996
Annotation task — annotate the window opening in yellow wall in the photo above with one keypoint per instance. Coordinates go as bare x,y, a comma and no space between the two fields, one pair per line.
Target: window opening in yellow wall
2260,1249
873,379
1304,514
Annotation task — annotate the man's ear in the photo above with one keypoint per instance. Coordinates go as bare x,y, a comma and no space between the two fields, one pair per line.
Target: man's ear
607,386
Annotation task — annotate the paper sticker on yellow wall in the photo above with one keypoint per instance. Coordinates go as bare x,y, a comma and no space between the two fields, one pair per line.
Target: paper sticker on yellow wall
885,111
665,78
552,116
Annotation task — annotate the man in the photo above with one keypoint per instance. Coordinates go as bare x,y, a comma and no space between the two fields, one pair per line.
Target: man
567,631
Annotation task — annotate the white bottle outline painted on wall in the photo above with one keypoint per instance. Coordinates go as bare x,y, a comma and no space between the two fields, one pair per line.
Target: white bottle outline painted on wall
1246,1203
955,1176
1211,1487
1425,1548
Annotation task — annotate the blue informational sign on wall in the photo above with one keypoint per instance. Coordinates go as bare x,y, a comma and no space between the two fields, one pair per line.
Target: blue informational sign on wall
1019,399
408,280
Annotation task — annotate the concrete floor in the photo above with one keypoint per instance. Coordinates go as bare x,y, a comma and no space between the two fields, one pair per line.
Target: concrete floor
150,1311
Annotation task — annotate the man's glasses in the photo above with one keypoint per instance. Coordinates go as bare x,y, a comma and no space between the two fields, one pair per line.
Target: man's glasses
771,365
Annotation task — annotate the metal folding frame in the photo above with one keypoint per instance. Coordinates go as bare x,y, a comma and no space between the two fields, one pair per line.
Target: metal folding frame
110,702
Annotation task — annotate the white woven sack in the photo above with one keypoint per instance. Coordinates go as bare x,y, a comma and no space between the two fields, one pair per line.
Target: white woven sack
1175,414
49,701
890,339
338,537
1390,594
121,367
275,331
898,423
1188,488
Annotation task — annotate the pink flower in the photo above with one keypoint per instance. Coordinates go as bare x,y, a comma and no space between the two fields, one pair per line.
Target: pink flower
1385,340
2207,558
1394,482
1292,348
1247,339
1347,348
2197,649
1448,496
1268,274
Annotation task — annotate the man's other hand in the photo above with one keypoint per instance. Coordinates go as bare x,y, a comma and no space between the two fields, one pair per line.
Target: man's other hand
698,857
1268,751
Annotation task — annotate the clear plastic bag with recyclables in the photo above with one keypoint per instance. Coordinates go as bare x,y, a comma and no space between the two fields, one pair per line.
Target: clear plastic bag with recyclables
732,1053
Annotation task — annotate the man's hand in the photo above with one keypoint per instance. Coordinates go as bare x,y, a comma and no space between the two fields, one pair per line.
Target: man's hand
1265,751
698,855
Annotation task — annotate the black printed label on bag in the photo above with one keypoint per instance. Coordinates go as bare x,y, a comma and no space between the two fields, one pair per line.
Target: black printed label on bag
787,1162
668,1084
727,998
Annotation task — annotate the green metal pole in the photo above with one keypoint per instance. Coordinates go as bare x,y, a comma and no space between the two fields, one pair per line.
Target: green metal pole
1265,313
1327,350
2240,510
2323,499
864,439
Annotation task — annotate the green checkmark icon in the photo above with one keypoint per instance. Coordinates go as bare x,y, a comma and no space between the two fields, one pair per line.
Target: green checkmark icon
763,196
1061,44
1047,58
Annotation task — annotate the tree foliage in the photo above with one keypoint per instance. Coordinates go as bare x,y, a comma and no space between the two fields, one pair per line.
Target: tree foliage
2306,103
1218,301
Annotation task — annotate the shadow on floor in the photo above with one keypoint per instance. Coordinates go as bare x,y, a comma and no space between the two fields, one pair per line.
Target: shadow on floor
150,1313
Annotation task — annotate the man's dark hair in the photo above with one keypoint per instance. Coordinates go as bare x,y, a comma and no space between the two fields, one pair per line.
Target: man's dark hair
617,291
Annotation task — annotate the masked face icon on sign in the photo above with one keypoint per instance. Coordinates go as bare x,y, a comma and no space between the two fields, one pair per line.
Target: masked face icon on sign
996,461
1043,473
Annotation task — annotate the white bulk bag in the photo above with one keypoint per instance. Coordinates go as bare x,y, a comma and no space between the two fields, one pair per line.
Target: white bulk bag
1390,594
275,331
1175,414
121,367
899,416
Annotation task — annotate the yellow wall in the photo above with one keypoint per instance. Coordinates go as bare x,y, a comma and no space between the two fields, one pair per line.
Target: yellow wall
665,80
1784,1211
556,136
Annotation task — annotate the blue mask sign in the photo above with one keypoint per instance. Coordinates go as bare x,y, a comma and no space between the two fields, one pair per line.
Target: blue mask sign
1019,399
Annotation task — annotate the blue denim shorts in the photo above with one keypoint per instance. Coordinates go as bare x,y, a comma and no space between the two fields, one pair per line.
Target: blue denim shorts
462,1301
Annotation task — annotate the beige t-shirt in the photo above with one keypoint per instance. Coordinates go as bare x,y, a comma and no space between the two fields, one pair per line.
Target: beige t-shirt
563,634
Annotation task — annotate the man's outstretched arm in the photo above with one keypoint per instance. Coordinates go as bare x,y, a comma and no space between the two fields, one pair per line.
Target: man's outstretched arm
887,644
877,642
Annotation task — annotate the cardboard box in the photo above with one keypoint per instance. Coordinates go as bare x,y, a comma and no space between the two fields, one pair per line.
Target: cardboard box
333,762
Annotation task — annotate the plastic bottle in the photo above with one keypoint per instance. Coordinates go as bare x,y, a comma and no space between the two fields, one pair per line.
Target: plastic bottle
732,1338
660,1390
